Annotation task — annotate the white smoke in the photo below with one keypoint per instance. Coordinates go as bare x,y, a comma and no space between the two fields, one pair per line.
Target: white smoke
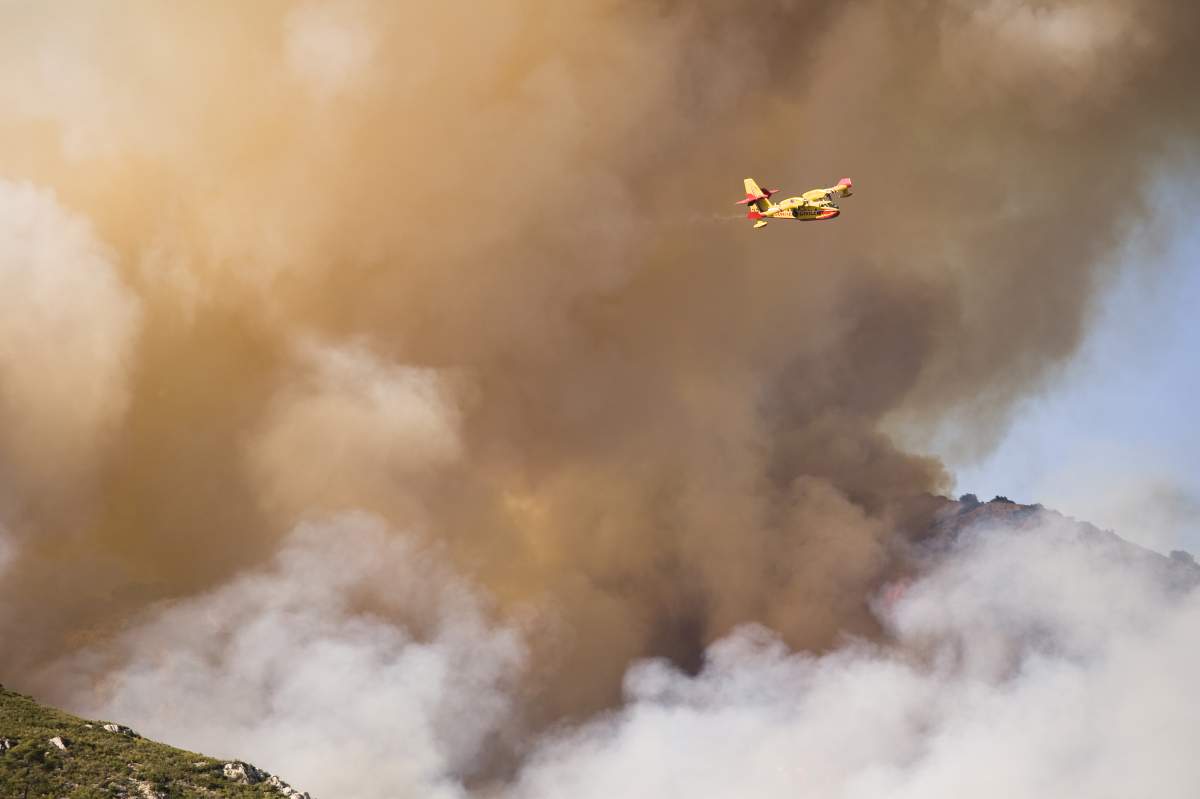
1034,664
303,668
68,326
352,432
1059,47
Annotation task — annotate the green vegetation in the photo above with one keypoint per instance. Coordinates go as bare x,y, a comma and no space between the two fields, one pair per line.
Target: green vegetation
98,764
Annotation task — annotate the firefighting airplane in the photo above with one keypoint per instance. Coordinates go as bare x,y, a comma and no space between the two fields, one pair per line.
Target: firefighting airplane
811,206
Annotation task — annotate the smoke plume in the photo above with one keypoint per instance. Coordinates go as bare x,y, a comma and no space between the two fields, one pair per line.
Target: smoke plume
1030,661
252,664
1030,664
67,330
462,270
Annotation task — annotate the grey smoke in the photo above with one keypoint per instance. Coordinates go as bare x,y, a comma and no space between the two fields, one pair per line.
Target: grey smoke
297,667
1031,663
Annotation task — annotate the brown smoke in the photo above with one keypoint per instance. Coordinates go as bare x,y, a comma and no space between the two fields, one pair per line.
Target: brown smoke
468,268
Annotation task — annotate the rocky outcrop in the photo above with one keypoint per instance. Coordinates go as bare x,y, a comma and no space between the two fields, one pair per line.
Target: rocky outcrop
246,774
120,730
950,520
58,742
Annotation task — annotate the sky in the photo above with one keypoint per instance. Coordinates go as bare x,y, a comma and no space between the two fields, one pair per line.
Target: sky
1113,439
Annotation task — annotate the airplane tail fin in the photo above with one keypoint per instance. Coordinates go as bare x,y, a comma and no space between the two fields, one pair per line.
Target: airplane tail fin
755,196
845,184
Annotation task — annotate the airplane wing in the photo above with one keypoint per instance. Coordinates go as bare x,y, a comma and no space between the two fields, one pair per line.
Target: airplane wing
842,189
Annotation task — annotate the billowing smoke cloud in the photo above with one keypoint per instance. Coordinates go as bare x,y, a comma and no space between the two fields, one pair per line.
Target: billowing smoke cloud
1032,663
461,271
1024,661
351,432
250,666
67,331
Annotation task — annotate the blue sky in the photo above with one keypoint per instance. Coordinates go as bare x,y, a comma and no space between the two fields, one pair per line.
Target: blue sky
1115,440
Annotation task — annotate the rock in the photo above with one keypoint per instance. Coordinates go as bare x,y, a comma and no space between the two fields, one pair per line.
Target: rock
247,774
244,773
6,744
146,789
285,789
59,742
121,730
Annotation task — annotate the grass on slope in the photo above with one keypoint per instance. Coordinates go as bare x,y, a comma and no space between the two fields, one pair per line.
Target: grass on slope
98,764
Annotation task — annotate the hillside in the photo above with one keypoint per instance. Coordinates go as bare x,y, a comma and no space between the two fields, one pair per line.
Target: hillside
951,519
48,754
936,523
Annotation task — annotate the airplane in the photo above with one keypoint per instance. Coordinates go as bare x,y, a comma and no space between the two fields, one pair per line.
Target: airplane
811,206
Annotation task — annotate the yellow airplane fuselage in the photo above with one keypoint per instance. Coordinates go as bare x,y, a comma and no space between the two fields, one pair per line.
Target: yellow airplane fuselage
802,209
